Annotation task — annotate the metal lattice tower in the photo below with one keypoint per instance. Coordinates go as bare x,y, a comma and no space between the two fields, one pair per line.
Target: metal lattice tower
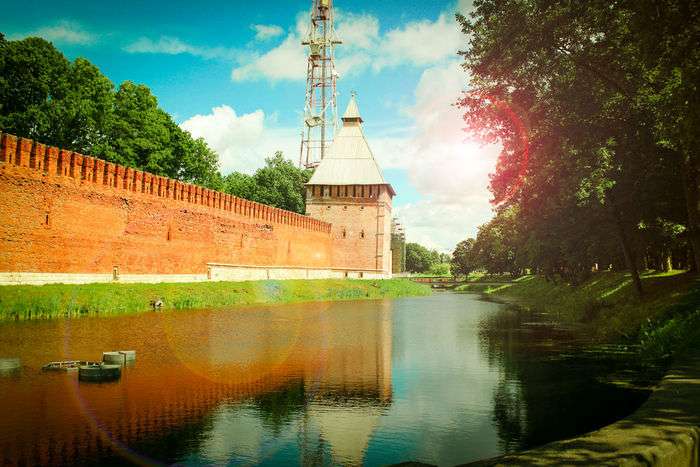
320,109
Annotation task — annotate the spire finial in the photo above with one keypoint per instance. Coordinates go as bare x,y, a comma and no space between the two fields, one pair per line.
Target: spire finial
352,113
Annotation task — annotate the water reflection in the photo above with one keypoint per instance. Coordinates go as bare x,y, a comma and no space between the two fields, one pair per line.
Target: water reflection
440,379
549,388
206,384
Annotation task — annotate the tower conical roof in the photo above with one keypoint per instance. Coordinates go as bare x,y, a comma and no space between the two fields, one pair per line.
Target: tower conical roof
349,159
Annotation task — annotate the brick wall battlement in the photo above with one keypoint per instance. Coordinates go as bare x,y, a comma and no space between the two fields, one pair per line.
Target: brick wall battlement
54,162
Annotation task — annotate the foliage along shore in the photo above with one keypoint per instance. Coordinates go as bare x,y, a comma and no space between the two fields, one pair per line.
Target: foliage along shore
22,302
666,319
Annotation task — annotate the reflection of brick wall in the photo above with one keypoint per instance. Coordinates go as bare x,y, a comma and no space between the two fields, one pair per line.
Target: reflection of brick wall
339,353
361,223
61,211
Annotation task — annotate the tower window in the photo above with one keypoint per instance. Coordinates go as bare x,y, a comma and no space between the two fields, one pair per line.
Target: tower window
345,234
362,233
345,208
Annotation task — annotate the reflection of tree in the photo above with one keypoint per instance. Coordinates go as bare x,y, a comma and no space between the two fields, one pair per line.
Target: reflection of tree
279,407
509,415
550,388
168,446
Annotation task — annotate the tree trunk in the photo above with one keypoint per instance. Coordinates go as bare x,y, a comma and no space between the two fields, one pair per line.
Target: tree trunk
690,259
690,185
627,252
665,260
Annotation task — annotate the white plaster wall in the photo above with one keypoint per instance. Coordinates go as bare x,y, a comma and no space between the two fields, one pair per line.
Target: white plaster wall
217,272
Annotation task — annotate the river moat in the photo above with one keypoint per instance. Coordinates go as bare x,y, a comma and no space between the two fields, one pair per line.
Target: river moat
444,379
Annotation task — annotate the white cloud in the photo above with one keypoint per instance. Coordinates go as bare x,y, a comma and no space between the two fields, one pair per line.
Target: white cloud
439,225
264,32
173,46
284,62
62,32
418,43
242,141
357,31
447,169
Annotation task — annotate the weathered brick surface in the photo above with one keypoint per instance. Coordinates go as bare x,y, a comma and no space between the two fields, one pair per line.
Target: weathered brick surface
361,224
64,212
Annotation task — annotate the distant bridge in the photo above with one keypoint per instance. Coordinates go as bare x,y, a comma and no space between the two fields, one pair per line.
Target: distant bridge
439,282
446,282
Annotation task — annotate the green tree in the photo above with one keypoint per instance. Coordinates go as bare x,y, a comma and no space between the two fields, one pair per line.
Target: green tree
196,161
440,269
496,246
140,134
33,78
72,105
281,184
278,183
566,88
463,261
419,258
80,119
241,185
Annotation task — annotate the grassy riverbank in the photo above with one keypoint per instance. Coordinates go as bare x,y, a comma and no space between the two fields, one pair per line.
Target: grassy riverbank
665,319
61,300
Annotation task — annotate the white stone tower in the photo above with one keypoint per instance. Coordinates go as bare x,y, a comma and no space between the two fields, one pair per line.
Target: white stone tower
349,190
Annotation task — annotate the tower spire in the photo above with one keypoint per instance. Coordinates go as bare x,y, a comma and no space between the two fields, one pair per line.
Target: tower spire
320,109
352,112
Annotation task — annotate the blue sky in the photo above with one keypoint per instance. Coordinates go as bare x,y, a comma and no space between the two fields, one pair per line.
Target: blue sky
233,73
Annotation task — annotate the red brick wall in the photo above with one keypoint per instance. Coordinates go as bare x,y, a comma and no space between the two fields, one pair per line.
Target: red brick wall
61,211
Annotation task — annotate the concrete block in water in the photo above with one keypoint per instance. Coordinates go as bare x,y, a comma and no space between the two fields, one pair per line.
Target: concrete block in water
99,373
9,365
129,355
113,358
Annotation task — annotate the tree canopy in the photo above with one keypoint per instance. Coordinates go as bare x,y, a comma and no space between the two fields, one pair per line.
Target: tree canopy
279,183
595,106
422,260
72,105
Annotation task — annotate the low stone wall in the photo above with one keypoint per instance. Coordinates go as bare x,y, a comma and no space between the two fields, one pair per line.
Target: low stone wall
665,431
215,272
230,272
41,278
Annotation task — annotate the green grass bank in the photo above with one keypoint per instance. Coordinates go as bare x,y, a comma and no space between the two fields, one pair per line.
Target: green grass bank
61,300
664,320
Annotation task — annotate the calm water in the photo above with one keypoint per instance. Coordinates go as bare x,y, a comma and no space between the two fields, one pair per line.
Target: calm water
443,379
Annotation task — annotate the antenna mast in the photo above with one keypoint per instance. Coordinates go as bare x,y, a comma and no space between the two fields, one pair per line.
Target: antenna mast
320,109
